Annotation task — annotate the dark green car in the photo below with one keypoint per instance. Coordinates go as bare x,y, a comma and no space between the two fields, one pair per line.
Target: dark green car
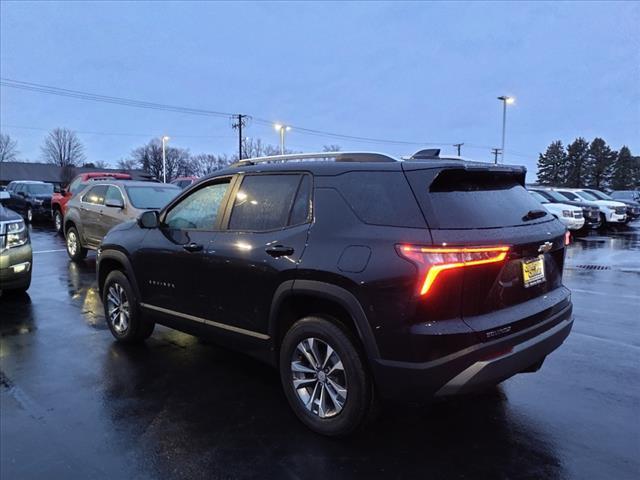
16,257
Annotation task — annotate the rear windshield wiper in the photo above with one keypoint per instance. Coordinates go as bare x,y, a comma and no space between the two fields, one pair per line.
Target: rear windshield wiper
533,214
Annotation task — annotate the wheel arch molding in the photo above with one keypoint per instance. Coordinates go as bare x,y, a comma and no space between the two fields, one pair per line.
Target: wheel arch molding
107,263
290,290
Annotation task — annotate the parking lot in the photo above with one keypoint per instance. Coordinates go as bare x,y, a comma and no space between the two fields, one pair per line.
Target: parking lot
77,405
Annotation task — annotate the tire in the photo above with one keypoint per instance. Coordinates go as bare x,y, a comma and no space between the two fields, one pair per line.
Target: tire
29,214
75,250
603,221
121,310
342,414
57,220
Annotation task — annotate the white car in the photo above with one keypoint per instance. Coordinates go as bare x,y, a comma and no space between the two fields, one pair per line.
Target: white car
612,212
570,215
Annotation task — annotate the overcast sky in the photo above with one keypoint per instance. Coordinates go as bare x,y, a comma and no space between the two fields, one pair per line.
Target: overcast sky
419,72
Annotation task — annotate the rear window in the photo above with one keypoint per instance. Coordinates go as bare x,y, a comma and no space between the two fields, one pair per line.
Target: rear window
461,199
380,198
151,197
40,189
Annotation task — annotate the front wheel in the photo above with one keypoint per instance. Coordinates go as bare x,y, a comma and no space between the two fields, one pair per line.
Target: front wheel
29,214
122,312
324,377
75,250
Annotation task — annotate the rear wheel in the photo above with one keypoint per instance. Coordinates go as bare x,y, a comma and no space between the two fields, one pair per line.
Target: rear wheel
121,310
324,377
75,250
29,214
57,220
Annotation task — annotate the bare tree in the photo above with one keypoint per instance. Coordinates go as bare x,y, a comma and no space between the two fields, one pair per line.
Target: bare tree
127,164
331,148
206,163
149,157
253,147
8,148
62,147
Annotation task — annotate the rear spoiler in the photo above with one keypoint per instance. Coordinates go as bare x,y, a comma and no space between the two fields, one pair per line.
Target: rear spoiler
465,175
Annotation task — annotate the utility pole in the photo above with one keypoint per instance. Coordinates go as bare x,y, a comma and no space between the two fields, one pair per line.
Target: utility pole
496,152
458,145
239,121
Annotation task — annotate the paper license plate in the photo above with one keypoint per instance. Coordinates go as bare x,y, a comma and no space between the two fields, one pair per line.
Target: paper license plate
533,271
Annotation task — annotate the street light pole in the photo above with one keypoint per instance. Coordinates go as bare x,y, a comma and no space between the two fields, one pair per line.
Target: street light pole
505,99
281,129
165,139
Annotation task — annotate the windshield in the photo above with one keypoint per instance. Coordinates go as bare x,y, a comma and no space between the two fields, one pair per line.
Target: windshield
40,189
538,197
587,196
571,196
600,195
152,197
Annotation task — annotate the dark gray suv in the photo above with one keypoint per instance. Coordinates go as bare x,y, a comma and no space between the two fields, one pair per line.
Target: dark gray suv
104,204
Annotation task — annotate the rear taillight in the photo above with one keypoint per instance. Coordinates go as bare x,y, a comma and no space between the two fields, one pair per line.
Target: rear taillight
567,238
433,260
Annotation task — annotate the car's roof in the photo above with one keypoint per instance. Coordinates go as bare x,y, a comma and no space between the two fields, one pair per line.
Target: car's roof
322,164
129,183
27,181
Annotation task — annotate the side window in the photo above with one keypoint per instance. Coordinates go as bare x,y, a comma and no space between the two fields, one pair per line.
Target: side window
300,210
95,195
19,188
263,202
198,211
113,193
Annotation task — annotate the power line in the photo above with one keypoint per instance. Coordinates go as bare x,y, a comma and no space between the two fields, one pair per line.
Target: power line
116,134
77,94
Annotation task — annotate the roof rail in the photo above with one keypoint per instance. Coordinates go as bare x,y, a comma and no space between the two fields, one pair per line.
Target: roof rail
319,156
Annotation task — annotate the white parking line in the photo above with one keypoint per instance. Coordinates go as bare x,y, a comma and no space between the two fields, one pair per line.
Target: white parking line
50,251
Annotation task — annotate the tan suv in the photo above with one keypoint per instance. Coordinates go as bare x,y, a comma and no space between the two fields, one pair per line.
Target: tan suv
104,204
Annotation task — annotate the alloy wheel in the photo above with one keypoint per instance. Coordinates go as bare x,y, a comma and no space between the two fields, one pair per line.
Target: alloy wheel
29,214
318,378
72,243
57,218
118,308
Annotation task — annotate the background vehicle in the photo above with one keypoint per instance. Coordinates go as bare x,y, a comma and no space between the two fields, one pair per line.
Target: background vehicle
633,208
60,199
590,213
611,212
4,195
184,182
106,203
15,252
31,199
622,195
328,270
571,216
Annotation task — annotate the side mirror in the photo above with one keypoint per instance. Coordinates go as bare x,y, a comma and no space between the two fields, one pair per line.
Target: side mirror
114,202
149,219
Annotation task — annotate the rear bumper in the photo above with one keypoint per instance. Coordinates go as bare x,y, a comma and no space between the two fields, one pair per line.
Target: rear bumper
481,365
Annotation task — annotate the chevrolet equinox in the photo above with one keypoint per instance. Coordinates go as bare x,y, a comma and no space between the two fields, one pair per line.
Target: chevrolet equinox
359,276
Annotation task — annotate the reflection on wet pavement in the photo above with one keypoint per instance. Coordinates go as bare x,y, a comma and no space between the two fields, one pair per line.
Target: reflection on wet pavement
75,404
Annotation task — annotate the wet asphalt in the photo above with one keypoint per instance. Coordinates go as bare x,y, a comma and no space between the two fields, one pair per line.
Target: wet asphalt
75,404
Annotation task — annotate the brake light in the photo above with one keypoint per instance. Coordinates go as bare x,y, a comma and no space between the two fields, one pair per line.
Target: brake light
433,260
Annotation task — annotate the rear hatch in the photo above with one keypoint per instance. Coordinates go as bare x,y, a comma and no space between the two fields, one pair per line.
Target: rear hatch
476,206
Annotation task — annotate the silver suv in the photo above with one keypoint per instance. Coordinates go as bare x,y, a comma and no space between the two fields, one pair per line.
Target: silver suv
104,204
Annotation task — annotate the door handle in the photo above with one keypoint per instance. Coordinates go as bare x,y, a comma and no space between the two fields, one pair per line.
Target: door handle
192,247
279,251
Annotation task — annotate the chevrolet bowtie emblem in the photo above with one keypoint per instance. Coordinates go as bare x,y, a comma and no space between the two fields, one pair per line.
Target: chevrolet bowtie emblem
545,247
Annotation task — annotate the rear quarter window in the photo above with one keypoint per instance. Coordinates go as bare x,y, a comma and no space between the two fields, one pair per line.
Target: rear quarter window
380,198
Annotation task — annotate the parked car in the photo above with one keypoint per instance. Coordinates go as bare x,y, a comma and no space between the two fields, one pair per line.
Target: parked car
611,212
570,215
4,195
590,213
359,278
60,199
15,252
633,208
626,195
103,204
184,182
30,198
